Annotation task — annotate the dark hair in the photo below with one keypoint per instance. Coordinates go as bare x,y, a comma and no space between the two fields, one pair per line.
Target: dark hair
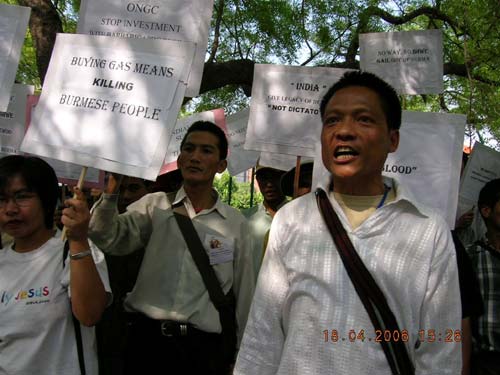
39,177
489,194
388,97
207,126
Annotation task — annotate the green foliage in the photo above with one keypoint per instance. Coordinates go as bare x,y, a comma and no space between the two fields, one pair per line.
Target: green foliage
230,98
27,71
240,192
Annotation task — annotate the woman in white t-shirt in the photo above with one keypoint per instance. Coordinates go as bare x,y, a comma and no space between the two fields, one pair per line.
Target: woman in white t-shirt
37,299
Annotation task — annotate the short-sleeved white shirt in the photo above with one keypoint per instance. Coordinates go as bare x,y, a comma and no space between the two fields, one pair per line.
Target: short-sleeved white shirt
36,328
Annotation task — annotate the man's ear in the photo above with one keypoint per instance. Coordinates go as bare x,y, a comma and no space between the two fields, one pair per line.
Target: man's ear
222,166
485,211
394,139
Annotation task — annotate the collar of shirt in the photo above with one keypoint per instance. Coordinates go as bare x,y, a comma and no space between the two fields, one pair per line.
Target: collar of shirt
401,193
181,196
263,208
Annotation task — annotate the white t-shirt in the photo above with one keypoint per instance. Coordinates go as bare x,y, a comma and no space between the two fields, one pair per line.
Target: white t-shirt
36,328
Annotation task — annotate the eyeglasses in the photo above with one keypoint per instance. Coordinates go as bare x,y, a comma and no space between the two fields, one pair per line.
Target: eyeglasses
21,199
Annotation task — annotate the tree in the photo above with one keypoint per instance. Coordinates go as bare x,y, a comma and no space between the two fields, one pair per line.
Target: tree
322,33
240,192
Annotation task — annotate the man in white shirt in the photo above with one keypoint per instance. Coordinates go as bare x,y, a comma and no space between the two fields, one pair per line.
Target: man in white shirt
306,316
176,328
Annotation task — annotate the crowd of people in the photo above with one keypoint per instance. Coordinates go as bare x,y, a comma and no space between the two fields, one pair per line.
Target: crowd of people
356,277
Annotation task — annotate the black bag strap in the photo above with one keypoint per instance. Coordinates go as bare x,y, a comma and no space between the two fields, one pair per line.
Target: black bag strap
200,257
223,303
76,323
369,292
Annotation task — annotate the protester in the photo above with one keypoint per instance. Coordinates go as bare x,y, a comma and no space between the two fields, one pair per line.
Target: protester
123,271
472,303
306,316
305,180
40,289
168,182
131,190
485,256
260,216
175,325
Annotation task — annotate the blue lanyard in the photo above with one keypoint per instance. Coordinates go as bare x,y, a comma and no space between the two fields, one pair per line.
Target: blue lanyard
384,197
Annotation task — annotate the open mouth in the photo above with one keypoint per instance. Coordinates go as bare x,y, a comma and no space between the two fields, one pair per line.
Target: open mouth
269,192
193,169
13,223
344,153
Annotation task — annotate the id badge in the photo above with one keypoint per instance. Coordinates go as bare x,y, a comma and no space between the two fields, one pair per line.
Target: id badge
219,249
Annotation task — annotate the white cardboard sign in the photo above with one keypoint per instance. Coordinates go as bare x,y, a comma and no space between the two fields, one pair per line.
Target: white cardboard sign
411,61
483,166
66,173
281,161
183,20
427,160
239,159
13,122
110,103
284,111
13,22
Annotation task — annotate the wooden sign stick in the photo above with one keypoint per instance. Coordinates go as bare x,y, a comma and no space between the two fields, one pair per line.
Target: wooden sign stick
296,178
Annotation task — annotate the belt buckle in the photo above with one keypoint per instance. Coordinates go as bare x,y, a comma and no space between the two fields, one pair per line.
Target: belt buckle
165,329
184,329
169,329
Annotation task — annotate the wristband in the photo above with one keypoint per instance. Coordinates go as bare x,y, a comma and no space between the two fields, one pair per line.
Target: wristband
80,255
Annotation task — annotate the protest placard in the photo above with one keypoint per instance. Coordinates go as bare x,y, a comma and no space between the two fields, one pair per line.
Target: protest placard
284,111
281,161
411,61
427,161
482,166
13,122
110,103
184,20
13,22
239,159
66,173
181,126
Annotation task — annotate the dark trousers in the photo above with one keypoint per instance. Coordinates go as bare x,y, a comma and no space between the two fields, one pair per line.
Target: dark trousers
154,348
486,363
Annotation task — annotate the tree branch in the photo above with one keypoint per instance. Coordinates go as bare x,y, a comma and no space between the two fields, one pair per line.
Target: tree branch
234,72
430,12
215,44
373,11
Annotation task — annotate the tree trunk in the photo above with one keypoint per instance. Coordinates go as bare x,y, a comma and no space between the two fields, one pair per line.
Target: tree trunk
44,24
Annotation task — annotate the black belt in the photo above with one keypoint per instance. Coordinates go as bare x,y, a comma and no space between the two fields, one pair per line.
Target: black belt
166,328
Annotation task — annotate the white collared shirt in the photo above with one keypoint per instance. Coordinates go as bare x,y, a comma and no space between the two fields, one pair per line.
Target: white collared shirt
304,294
169,285
259,222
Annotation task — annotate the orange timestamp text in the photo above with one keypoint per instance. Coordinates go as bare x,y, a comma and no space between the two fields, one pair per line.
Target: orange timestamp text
352,335
424,335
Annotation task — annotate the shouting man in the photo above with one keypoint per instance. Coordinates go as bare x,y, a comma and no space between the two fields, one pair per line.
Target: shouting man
307,317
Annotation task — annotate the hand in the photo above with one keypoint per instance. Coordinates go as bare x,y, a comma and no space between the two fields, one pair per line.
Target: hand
76,217
114,182
465,220
95,193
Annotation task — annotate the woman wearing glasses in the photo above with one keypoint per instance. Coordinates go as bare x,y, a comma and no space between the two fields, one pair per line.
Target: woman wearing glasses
42,294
